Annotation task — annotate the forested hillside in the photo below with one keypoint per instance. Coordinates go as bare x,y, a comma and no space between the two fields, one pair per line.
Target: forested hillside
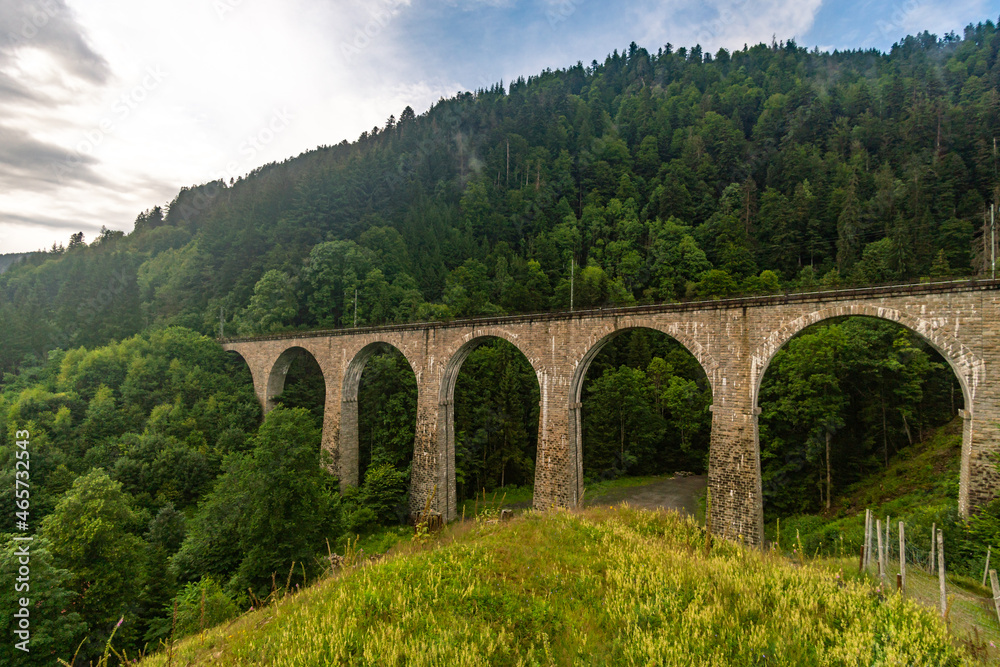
649,169
651,176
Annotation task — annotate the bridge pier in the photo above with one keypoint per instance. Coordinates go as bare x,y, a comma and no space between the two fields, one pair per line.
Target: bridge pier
260,372
429,478
340,435
736,509
979,477
555,474
576,453
447,489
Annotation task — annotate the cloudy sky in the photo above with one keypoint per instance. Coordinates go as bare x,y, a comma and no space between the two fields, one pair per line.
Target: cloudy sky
108,107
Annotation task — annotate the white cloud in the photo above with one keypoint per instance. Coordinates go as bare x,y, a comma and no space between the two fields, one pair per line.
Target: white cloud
474,4
177,94
913,16
727,23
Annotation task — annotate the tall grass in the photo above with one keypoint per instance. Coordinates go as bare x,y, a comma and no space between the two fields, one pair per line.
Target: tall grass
622,587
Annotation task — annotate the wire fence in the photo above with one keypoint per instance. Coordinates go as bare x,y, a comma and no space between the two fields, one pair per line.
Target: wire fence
968,582
922,552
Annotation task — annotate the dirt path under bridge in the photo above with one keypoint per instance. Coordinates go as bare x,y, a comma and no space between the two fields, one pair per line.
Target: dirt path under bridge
676,493
672,493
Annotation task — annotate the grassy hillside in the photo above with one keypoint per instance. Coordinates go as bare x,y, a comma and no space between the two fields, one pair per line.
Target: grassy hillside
924,474
599,587
920,486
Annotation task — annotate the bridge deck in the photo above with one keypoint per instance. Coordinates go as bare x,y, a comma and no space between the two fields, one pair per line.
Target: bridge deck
814,296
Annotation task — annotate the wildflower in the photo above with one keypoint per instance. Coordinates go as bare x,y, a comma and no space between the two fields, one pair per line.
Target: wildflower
119,622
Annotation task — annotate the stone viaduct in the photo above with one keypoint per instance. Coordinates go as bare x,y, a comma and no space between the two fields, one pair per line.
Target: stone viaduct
733,339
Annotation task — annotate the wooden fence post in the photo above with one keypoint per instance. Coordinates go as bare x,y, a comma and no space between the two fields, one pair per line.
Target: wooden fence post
873,558
996,592
888,542
864,543
864,548
987,568
868,535
940,555
881,551
933,539
902,555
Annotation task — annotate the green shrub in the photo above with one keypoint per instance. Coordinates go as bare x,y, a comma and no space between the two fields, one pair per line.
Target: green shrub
200,605
384,493
361,520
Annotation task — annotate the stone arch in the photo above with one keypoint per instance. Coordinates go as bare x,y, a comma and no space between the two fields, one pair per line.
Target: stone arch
279,370
356,366
258,383
275,376
605,334
232,352
349,432
967,367
456,357
446,414
600,338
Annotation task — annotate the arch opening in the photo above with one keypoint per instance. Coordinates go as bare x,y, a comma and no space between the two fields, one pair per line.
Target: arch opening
248,412
639,406
381,389
855,401
237,368
490,405
377,413
297,381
